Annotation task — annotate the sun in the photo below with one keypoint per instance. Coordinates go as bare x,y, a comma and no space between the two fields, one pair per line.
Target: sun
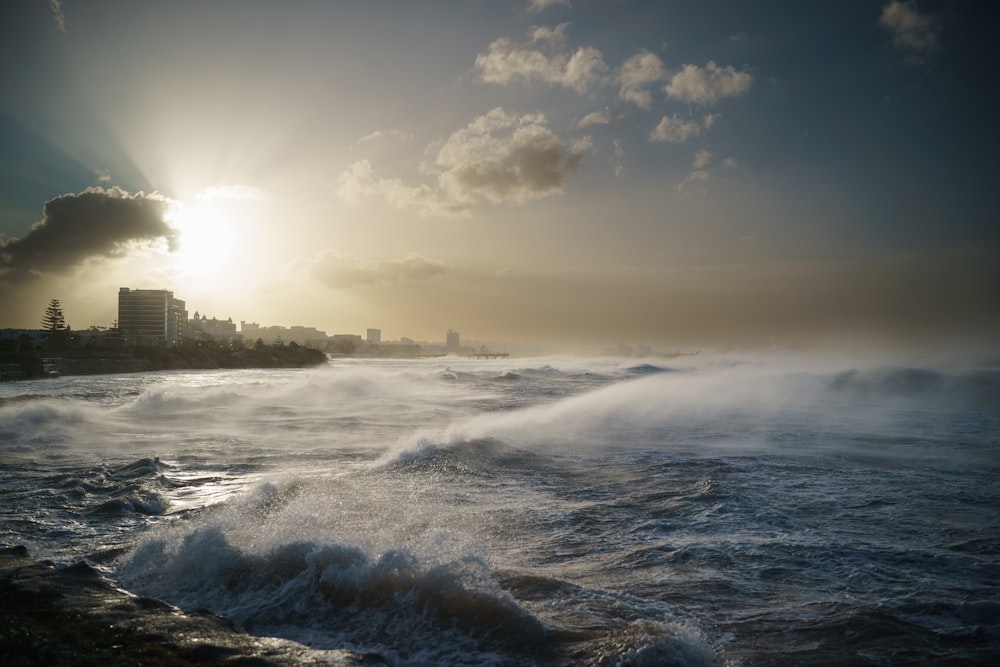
220,233
205,237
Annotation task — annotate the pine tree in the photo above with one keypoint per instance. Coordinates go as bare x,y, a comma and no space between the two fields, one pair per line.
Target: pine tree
54,320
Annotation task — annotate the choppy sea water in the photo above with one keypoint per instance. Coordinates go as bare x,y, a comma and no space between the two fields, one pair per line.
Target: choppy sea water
700,510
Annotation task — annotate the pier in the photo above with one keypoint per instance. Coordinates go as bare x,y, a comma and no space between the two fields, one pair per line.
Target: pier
489,355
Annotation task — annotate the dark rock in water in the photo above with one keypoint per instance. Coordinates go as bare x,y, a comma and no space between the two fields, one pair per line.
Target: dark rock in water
73,616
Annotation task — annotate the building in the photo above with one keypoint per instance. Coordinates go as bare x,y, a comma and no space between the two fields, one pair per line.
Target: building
308,336
452,342
344,343
374,336
151,317
213,328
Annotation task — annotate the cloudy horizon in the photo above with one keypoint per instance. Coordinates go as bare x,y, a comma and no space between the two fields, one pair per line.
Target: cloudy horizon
674,173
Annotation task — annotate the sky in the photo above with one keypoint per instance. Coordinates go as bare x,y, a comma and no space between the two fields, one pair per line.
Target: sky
577,171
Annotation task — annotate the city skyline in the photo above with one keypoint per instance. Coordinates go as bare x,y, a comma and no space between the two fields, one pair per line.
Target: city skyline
254,329
676,173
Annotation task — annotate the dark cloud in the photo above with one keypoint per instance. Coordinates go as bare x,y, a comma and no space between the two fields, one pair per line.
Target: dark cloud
97,222
912,30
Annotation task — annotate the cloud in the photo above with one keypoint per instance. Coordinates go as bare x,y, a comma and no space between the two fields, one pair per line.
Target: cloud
341,272
697,181
638,72
385,134
619,154
705,85
543,59
359,182
911,30
701,159
535,6
599,118
554,37
595,118
676,130
502,157
77,227
57,14
498,158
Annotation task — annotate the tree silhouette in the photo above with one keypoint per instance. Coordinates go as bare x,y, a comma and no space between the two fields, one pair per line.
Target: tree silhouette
54,320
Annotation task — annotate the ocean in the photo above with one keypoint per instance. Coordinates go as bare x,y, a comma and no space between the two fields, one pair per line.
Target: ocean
713,509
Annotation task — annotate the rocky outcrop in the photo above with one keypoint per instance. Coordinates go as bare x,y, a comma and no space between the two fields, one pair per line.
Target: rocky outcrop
73,616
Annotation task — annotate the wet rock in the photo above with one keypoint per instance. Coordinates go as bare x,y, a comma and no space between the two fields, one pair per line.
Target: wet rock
73,616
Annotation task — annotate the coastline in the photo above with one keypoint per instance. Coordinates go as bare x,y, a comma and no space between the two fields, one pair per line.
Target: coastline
73,616
188,356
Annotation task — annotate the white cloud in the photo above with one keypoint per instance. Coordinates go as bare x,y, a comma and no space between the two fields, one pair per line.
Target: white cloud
341,272
498,158
541,59
638,72
535,6
503,157
911,30
358,182
552,36
701,159
584,68
705,85
696,182
677,130
595,118
602,117
385,134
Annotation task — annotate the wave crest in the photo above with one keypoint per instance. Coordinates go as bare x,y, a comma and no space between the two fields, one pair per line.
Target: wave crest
337,595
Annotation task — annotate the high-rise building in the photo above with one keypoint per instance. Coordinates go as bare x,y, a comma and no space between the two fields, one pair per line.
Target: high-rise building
374,336
452,342
151,317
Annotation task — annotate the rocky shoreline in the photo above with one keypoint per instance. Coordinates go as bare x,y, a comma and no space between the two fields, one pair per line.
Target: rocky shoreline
73,616
187,356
